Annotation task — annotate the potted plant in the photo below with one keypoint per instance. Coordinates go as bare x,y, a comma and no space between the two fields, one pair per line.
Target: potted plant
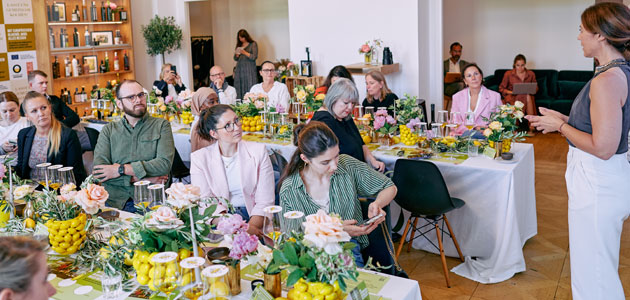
162,35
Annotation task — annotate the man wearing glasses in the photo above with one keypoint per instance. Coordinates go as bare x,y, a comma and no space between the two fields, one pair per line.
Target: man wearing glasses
138,147
227,94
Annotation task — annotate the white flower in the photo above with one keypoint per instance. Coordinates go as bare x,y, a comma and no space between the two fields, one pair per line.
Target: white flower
22,191
181,195
487,132
518,114
325,232
164,218
496,125
519,104
67,188
282,68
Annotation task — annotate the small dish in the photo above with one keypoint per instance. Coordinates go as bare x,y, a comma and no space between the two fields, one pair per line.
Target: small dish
219,254
503,161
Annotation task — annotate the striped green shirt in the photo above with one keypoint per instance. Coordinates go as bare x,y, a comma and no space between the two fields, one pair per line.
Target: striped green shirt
352,179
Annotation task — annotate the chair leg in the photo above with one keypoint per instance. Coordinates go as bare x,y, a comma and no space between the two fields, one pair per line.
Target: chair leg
444,268
402,240
459,251
413,231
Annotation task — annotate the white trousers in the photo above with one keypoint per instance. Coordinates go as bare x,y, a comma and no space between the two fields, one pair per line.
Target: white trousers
599,202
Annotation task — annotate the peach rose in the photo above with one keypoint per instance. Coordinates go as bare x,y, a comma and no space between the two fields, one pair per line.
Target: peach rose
183,195
92,198
164,218
67,188
325,232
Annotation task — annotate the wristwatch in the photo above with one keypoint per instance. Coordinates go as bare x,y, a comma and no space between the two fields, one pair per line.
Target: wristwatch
121,170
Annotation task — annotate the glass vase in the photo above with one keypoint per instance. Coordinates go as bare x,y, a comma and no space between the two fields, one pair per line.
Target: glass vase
368,57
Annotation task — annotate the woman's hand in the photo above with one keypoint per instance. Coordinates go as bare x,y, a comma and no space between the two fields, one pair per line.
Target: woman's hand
255,225
374,210
237,51
178,80
550,120
376,164
351,227
9,147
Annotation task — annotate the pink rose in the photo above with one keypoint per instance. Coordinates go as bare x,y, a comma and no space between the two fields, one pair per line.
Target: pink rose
183,195
168,99
92,198
232,224
112,5
325,232
259,104
365,48
164,214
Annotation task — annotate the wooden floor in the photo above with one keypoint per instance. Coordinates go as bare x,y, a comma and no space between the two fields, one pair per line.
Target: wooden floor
546,254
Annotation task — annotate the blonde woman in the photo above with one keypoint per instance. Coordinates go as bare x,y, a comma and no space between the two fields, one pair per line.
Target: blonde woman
170,84
47,140
378,94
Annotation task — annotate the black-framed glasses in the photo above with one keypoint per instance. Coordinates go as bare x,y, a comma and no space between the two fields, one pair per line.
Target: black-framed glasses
269,71
217,74
230,126
141,96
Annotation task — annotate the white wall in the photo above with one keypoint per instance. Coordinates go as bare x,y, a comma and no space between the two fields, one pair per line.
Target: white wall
494,31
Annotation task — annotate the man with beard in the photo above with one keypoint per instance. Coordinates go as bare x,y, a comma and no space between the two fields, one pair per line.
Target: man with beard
138,147
454,65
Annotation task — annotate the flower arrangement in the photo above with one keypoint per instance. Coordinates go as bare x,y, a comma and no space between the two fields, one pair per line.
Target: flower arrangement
241,244
284,67
322,254
306,95
368,46
408,111
503,123
251,105
384,123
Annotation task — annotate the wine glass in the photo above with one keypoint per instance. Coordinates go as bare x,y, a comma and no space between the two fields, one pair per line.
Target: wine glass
297,108
273,124
190,278
215,282
54,181
41,174
436,131
292,222
165,272
271,224
156,195
141,193
369,110
442,118
94,106
66,176
422,133
469,120
450,130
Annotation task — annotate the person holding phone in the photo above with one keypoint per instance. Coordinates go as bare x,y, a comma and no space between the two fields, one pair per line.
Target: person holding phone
10,125
245,55
170,84
318,177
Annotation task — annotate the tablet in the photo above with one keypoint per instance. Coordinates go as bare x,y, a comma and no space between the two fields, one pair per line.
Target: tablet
452,77
527,88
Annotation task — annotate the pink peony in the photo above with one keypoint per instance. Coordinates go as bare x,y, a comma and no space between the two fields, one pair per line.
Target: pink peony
379,122
325,232
232,224
413,123
365,48
92,198
381,112
112,5
168,99
391,120
243,244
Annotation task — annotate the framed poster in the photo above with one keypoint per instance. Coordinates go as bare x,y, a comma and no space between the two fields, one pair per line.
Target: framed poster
104,38
92,62
307,68
61,7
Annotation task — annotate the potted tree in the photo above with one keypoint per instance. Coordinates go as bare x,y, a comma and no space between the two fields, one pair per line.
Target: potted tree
162,35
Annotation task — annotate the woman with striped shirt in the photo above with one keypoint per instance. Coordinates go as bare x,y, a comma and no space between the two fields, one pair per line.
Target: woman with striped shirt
318,177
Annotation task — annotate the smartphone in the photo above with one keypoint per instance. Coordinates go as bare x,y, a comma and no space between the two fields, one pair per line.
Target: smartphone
370,221
174,69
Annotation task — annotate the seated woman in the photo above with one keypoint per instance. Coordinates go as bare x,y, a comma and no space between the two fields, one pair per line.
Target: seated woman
170,84
47,140
335,113
277,92
202,99
231,168
23,269
318,177
10,125
474,98
519,74
378,94
335,73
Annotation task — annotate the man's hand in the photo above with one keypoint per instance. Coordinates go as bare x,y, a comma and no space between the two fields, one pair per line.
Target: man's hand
218,83
106,172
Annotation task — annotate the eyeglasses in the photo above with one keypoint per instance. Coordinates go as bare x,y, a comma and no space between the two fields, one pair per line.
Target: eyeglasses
269,71
229,127
217,74
141,96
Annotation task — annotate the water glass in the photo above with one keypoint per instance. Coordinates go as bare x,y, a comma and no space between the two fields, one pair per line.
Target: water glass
469,121
41,174
369,110
156,195
165,272
112,286
271,224
141,193
292,222
190,278
66,175
473,150
215,282
54,182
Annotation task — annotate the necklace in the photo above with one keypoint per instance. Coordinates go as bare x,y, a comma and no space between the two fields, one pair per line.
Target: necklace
228,161
611,64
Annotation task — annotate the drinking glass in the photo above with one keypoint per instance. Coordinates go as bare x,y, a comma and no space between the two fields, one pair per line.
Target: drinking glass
442,118
190,277
455,118
369,110
469,120
156,195
473,150
273,124
271,224
422,134
450,129
54,181
296,109
215,282
141,193
436,131
66,176
112,286
292,222
165,272
41,174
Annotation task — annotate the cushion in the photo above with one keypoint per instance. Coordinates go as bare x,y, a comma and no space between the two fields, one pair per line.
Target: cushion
575,75
542,88
568,89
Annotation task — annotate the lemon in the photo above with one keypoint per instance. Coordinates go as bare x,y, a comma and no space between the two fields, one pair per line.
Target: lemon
151,286
64,225
304,296
29,223
259,127
62,232
281,298
300,287
128,260
332,296
72,249
143,279
103,252
219,289
367,139
291,295
150,258
327,290
318,297
170,271
159,272
58,238
67,238
137,263
183,253
186,280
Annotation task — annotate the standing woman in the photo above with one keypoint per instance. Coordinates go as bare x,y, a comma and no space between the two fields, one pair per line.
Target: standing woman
519,74
597,168
10,125
245,55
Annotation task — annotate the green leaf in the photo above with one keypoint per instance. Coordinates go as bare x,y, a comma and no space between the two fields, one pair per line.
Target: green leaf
294,277
349,246
306,261
290,254
312,275
279,257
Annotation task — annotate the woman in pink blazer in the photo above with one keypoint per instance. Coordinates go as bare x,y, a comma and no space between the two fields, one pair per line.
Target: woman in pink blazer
475,98
233,169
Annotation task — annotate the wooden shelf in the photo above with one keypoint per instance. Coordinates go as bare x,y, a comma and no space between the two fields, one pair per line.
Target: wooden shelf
85,23
89,48
362,68
93,75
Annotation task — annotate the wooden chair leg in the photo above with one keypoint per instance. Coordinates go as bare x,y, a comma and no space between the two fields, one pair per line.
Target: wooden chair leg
459,251
413,232
402,239
444,268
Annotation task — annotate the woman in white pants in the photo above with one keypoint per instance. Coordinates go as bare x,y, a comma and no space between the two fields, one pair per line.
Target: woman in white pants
598,173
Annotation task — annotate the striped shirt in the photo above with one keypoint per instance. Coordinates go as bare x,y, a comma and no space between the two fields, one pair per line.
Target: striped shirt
352,179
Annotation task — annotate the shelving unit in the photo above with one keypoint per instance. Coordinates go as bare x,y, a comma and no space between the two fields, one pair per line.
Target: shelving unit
84,51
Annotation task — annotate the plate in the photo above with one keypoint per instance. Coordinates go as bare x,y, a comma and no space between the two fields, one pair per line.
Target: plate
503,161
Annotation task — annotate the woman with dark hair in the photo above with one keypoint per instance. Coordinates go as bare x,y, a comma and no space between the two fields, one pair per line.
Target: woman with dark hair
203,98
277,92
245,55
231,168
378,94
518,74
47,140
23,270
10,125
335,73
597,167
318,177
335,113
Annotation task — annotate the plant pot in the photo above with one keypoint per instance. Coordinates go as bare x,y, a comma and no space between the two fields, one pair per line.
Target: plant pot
273,284
234,278
66,237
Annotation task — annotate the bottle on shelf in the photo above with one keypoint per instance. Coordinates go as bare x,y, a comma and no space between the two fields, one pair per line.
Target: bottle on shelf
49,13
106,63
123,15
109,11
76,96
84,10
103,11
75,37
87,37
68,97
117,38
52,38
125,61
83,95
102,66
75,14
63,96
116,63
55,68
93,14
62,39
55,11
66,63
94,42
75,66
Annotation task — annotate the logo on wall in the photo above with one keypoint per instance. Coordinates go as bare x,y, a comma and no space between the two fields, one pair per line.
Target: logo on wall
17,69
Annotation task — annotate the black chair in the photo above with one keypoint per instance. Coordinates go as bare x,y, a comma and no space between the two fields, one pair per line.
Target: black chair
422,191
92,136
179,170
278,163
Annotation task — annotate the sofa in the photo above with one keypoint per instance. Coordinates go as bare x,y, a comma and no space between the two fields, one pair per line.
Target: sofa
556,89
